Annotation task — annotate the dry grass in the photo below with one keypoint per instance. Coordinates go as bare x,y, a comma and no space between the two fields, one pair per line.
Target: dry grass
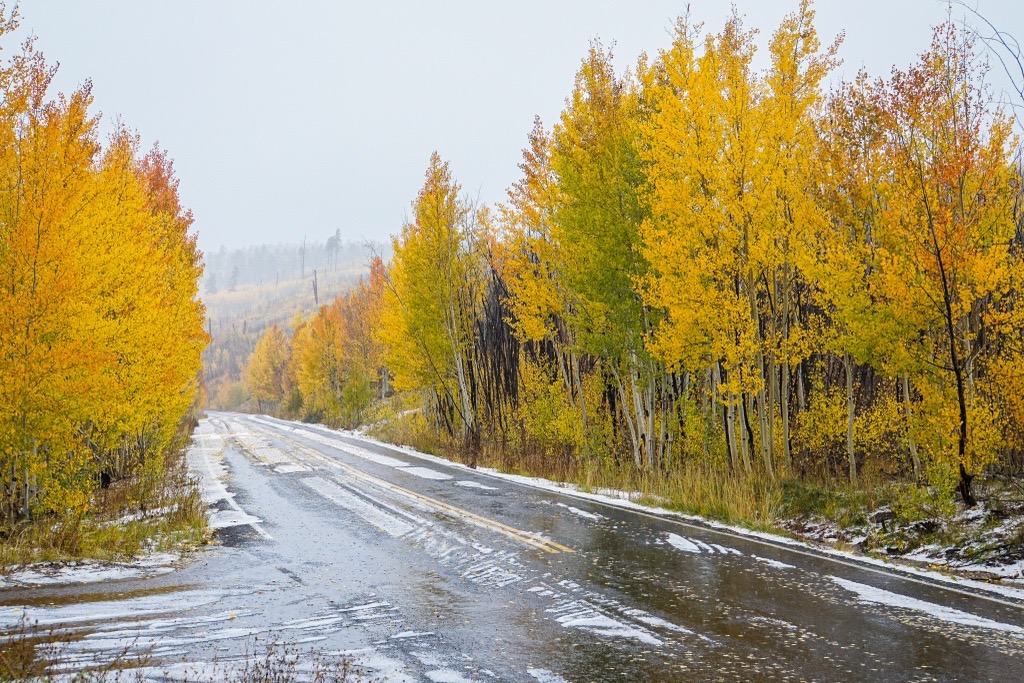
279,664
283,299
691,487
131,517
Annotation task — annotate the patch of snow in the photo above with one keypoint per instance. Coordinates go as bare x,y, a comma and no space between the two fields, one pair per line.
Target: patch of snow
703,546
922,554
604,625
142,514
972,514
425,473
46,574
774,564
694,545
1014,570
651,620
475,485
878,596
546,676
447,676
683,543
581,513
725,550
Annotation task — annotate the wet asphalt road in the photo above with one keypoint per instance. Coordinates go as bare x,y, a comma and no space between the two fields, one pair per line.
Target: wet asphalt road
422,571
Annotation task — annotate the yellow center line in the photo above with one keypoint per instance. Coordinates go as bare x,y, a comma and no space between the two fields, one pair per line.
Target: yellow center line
534,540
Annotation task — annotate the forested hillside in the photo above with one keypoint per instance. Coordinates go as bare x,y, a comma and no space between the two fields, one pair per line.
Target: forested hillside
240,313
271,264
101,328
721,278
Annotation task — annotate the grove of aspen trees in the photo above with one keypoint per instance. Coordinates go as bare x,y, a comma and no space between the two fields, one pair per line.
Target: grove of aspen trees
756,270
101,329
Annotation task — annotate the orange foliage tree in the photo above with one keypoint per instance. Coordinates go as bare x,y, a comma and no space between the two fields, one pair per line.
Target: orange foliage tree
100,327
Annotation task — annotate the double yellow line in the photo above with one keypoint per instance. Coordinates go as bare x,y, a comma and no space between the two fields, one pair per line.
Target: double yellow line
531,539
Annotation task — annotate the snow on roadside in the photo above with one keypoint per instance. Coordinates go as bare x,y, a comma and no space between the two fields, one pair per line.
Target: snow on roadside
205,440
627,500
51,573
1006,571
206,462
1015,591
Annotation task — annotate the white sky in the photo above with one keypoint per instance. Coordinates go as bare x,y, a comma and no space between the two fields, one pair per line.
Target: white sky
292,119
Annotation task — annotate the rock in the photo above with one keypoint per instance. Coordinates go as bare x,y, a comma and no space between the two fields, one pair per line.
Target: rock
926,526
881,516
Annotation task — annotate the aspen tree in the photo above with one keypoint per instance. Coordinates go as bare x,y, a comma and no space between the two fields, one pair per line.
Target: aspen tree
264,371
425,319
950,188
597,222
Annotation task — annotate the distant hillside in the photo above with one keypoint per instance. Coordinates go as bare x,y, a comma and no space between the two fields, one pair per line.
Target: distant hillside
251,301
272,264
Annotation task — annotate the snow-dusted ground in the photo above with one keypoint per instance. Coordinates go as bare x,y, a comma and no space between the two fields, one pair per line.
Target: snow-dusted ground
206,462
205,459
49,574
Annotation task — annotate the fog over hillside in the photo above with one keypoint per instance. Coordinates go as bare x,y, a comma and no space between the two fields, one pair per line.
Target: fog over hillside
271,264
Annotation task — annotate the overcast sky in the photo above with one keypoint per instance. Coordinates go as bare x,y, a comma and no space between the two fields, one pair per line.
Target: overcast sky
292,119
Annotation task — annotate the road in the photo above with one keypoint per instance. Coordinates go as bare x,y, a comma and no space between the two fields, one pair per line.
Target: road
425,571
